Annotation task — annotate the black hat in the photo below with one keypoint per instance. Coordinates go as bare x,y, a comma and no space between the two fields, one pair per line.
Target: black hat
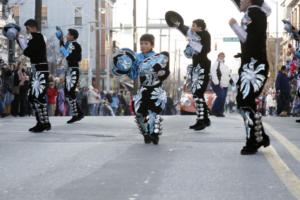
74,33
237,3
173,19
258,2
255,2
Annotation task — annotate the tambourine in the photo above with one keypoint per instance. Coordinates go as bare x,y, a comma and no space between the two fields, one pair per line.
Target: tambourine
11,31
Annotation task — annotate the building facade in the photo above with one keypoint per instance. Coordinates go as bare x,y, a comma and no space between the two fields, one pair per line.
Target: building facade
292,13
78,14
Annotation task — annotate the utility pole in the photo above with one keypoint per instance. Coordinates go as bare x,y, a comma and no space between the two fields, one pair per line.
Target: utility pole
179,74
108,32
4,9
277,39
277,42
169,40
10,42
135,83
147,16
38,13
98,56
175,62
160,35
90,72
134,27
174,70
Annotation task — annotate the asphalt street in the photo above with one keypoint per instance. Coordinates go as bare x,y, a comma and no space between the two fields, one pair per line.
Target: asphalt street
104,158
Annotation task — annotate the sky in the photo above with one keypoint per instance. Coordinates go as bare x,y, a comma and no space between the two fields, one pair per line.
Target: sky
216,14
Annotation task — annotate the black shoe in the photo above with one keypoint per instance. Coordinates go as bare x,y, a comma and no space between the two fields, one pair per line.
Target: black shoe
31,129
193,126
249,150
298,121
75,118
200,125
265,143
155,139
207,122
40,128
147,139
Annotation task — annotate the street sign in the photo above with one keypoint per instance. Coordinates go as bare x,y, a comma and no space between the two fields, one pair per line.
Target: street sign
230,39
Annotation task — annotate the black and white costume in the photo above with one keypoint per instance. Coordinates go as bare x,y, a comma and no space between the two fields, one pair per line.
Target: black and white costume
252,75
198,72
72,52
150,100
36,51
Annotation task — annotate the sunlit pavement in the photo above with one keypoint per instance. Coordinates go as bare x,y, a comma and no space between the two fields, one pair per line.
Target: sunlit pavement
105,158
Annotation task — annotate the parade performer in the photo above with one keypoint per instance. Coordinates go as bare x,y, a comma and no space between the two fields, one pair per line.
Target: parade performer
253,71
152,69
71,51
198,47
35,49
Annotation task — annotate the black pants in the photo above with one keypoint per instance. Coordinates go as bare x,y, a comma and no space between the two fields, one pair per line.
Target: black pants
148,104
252,78
219,103
37,95
197,81
71,81
15,105
24,100
283,102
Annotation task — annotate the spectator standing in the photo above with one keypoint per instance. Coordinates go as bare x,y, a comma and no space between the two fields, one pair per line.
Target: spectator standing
283,90
94,99
52,96
15,104
61,105
220,76
24,86
115,103
271,103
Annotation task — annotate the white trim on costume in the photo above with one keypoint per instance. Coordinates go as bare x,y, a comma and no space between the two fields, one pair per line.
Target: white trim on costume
240,32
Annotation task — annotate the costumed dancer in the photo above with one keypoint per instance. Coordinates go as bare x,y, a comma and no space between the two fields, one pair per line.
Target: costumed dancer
35,49
71,51
152,69
198,73
253,71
